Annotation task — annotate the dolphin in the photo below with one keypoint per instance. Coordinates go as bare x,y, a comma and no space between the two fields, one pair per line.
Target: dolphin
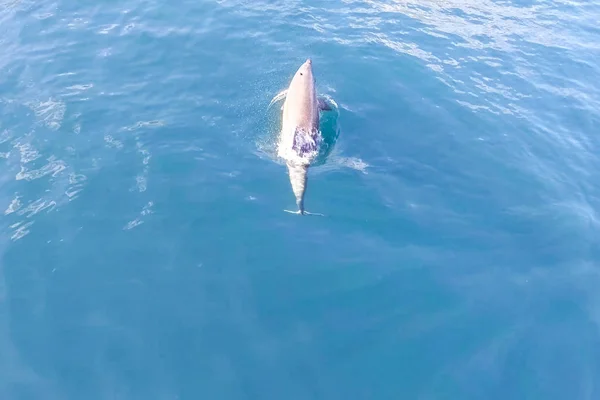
300,136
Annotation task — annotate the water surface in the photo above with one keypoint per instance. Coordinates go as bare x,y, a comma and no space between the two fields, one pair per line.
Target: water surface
144,248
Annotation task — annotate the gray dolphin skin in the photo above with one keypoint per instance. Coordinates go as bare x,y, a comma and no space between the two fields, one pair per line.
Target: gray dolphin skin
300,129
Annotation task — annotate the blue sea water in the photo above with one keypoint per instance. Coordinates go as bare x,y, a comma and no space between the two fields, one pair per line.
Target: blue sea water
144,251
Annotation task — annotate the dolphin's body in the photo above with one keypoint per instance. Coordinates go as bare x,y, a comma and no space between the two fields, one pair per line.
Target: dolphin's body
300,137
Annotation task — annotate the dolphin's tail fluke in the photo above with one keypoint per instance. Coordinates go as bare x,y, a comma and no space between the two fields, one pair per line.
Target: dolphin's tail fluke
304,212
298,178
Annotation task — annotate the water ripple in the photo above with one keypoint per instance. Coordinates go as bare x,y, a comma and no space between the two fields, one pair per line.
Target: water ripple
471,127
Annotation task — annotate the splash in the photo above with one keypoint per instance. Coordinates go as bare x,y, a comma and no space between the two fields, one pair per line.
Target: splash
300,146
318,149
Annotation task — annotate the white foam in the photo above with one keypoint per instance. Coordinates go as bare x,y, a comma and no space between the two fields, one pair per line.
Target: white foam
354,163
14,205
51,112
286,151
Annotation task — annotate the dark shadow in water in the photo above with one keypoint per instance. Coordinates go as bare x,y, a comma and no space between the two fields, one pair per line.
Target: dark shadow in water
330,131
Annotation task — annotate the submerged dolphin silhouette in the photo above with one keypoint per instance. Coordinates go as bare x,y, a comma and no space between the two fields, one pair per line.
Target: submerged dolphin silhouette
300,136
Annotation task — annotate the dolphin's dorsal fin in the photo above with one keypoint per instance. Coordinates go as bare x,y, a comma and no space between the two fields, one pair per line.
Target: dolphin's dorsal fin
323,104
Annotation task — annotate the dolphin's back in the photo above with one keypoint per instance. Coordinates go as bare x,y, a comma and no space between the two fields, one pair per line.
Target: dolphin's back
300,110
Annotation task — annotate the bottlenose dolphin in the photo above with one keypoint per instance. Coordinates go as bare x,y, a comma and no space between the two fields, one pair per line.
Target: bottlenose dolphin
300,136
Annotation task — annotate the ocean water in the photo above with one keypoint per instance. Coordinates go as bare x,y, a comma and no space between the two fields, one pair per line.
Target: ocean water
144,251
